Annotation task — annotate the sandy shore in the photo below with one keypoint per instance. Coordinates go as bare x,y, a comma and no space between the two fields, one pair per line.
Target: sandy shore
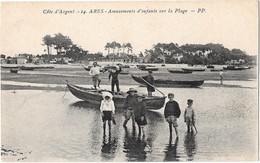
77,75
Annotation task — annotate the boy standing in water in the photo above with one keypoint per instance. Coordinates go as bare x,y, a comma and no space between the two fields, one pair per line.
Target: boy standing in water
107,109
129,106
140,114
189,116
171,113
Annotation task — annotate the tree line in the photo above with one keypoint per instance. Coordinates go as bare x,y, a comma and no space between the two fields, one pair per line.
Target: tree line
196,54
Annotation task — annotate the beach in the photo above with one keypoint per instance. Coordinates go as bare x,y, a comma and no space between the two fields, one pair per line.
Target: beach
43,121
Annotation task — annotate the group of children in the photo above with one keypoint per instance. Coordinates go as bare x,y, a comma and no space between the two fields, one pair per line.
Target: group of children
135,109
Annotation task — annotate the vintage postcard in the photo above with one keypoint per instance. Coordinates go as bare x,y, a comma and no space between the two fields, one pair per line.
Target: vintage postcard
129,81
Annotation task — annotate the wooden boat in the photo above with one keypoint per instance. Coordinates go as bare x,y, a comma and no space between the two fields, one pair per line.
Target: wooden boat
13,70
26,68
124,72
193,69
171,83
10,66
179,71
233,68
210,66
95,97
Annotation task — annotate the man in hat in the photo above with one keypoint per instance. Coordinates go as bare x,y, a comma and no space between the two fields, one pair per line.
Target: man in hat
150,79
114,73
129,106
94,72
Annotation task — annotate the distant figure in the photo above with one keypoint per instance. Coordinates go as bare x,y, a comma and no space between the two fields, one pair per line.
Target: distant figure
140,114
107,108
189,116
94,72
129,106
171,113
221,77
150,79
114,73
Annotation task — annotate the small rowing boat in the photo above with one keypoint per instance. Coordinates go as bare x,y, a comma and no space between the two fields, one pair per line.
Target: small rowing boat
26,68
95,97
171,83
179,71
193,69
13,70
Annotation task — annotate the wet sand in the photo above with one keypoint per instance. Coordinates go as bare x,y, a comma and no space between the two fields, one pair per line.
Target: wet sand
56,126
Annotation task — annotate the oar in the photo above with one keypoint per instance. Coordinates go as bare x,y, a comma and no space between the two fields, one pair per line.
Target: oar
151,85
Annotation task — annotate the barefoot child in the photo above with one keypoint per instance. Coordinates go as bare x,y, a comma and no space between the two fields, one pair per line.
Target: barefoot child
140,114
171,113
107,109
189,116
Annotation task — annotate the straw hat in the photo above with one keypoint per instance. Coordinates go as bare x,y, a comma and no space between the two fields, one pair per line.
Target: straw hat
131,90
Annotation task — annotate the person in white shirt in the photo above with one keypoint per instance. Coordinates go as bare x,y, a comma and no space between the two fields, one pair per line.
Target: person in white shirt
94,72
107,108
189,116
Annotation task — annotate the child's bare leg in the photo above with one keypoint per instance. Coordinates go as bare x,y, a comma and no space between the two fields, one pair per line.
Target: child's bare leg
188,128
109,126
104,127
170,127
143,131
176,131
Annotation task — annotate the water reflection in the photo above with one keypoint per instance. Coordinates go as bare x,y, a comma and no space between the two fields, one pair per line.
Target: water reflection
109,147
190,145
171,151
135,147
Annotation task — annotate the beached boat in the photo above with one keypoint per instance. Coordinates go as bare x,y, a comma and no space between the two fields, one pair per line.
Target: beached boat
171,83
193,69
149,69
233,68
179,71
95,97
210,66
27,68
13,70
216,70
124,72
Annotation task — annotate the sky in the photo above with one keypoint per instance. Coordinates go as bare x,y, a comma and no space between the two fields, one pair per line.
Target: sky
232,23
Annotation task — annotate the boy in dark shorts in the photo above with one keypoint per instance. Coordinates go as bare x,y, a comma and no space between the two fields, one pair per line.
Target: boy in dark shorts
171,113
107,108
140,114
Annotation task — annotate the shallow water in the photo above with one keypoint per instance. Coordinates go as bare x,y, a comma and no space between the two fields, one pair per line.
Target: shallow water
56,126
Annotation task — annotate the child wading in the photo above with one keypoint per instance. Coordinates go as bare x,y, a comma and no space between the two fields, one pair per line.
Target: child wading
189,116
107,109
140,114
171,113
129,106
94,72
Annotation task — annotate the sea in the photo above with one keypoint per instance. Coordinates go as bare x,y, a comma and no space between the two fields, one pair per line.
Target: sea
44,125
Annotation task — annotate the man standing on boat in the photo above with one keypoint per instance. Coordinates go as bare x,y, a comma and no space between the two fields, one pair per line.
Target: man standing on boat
94,72
114,73
150,79
130,106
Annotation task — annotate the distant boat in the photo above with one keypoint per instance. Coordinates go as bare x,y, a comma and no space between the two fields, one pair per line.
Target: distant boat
149,69
193,69
236,68
9,66
124,72
13,70
210,66
95,97
216,70
171,83
179,71
26,68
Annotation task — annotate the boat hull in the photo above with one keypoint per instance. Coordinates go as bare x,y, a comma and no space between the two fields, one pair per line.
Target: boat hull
26,68
95,97
180,71
193,69
170,83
